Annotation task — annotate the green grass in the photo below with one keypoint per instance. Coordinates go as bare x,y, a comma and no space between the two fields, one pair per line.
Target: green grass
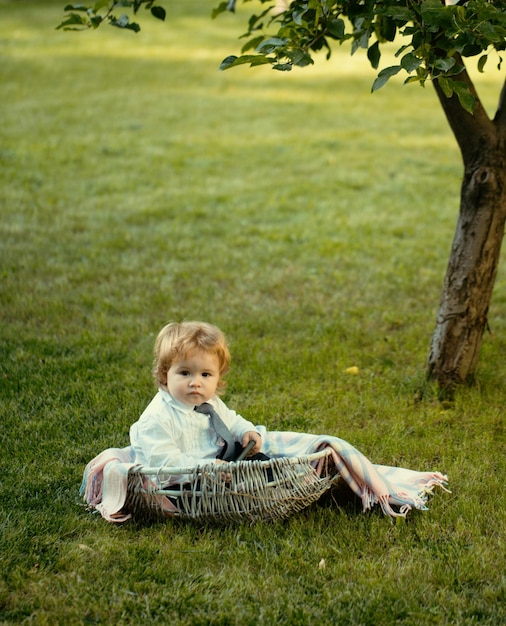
310,220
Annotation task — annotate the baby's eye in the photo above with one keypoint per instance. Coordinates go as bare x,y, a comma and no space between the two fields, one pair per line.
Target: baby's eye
184,373
205,374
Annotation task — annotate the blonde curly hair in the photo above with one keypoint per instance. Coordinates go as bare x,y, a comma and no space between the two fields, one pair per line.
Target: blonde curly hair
176,339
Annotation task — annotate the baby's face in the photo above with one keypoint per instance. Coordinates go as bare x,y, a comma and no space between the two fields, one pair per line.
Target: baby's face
194,379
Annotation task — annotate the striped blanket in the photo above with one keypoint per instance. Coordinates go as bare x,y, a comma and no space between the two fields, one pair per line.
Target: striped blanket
396,490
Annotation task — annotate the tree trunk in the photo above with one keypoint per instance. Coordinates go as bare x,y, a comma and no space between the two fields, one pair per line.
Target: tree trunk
470,276
474,258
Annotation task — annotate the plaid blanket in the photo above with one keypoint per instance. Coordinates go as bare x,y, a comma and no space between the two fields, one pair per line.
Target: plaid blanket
396,490
374,484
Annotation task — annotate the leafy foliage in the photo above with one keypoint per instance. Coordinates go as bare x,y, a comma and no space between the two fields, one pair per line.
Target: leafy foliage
435,35
102,10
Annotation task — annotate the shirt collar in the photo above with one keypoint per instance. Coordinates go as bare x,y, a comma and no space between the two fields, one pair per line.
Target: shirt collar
180,406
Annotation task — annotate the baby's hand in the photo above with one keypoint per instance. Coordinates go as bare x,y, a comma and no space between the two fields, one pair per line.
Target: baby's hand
252,435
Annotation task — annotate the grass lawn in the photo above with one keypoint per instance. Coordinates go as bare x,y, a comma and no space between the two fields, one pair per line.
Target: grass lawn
311,221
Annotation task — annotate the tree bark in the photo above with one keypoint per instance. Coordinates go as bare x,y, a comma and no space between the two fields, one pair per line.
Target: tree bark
474,258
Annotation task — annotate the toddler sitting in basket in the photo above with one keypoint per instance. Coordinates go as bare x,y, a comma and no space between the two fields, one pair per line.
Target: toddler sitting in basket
187,424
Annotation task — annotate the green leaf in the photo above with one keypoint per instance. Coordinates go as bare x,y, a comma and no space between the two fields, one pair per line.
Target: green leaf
95,21
401,50
158,12
252,44
466,98
228,62
282,67
444,64
410,62
461,89
433,12
76,7
72,20
481,62
252,59
399,14
374,55
124,22
269,45
386,28
362,41
489,32
384,76
221,8
258,59
415,79
336,28
446,85
298,16
300,57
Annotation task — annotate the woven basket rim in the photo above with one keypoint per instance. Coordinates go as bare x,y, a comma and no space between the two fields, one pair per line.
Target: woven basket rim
288,460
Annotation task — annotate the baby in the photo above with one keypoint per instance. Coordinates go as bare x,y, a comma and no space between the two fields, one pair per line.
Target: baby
187,424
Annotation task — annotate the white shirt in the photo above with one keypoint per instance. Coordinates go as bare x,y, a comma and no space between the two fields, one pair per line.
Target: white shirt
170,433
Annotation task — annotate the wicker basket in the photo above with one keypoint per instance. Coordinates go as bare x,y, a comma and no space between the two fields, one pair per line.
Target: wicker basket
242,491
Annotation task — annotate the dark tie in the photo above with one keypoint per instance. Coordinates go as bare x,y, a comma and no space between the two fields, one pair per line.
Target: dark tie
219,426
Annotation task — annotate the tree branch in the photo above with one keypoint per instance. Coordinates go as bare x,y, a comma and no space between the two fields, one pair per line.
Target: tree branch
468,128
500,116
